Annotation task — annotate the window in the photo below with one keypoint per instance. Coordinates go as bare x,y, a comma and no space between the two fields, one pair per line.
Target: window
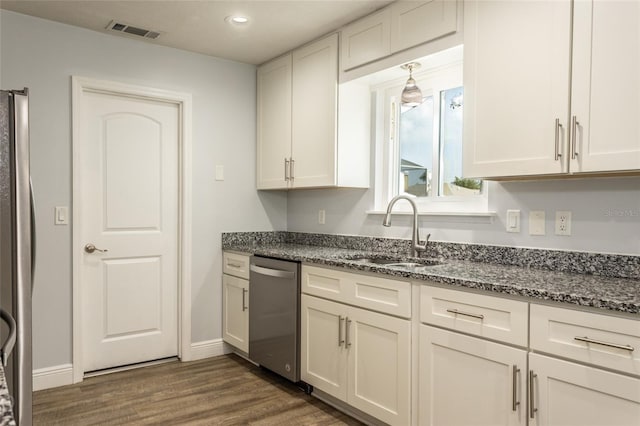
420,148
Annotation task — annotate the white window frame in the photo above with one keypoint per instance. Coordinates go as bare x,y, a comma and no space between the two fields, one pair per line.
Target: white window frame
431,82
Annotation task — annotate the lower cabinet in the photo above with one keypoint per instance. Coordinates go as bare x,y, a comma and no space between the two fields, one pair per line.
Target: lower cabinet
465,380
358,356
564,393
235,312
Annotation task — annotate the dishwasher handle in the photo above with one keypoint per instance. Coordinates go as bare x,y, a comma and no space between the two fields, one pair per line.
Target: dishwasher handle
272,272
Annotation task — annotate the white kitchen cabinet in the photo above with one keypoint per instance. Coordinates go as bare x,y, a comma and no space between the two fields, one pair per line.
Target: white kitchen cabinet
311,132
397,27
366,40
465,380
274,123
235,312
565,393
360,357
532,107
605,95
516,85
417,22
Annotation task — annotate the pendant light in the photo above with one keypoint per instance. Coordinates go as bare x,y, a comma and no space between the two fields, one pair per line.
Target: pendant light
411,94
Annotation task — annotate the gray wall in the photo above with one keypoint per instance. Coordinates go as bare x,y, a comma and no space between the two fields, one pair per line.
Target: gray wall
605,215
42,55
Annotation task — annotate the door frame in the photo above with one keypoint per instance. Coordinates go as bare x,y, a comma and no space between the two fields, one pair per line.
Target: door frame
79,85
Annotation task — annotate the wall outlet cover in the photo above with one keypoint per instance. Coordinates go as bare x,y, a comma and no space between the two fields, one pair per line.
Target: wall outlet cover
536,222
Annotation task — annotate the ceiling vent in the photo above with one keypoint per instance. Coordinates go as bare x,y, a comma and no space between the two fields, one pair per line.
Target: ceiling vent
121,27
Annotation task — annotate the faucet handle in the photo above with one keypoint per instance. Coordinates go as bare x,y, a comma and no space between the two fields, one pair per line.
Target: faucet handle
420,248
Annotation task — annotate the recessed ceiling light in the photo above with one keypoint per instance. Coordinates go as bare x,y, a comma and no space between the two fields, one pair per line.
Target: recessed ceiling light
237,19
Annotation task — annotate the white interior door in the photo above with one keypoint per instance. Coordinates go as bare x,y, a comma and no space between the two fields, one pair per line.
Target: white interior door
129,209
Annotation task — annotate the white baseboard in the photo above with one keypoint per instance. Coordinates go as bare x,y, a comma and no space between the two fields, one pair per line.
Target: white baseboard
52,377
62,375
208,349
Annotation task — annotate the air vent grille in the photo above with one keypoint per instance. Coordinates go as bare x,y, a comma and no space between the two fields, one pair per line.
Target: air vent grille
121,27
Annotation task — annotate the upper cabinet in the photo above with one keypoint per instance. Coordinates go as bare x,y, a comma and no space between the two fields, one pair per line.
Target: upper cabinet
605,95
304,140
399,26
531,108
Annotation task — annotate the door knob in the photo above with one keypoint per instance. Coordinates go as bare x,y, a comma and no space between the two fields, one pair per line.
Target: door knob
90,248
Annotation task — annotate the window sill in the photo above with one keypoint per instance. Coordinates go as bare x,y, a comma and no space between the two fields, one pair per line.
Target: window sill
458,217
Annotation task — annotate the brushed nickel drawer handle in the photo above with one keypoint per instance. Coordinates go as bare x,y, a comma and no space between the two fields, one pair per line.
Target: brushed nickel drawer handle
234,265
600,342
340,339
346,332
574,129
457,312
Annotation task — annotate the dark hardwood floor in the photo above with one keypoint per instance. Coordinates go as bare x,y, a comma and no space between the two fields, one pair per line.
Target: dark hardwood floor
225,390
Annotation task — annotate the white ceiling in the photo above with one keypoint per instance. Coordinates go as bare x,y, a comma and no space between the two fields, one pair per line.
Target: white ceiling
199,26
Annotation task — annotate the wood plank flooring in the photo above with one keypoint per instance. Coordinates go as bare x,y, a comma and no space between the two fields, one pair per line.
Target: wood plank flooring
225,390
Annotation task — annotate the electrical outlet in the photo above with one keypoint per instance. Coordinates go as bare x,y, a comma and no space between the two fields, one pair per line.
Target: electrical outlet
563,223
321,217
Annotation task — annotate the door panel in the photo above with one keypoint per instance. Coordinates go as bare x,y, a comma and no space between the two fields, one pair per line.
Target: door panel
379,365
322,357
464,380
129,208
133,193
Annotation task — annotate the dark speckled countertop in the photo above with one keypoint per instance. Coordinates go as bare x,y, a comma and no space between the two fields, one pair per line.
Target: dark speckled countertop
604,292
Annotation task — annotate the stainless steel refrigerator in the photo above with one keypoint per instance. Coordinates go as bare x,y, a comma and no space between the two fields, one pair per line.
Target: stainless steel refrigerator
17,244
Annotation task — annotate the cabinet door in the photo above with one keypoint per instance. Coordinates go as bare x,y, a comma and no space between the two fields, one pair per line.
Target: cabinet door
417,22
315,87
516,85
565,393
606,85
379,365
323,356
366,40
235,312
273,122
465,380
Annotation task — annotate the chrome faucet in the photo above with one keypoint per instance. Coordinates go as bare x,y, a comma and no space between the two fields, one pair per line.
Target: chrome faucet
416,248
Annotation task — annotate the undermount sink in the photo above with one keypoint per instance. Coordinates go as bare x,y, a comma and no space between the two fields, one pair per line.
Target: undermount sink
397,263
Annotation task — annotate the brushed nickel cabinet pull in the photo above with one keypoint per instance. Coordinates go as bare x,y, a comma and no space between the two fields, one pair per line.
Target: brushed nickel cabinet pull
340,339
532,400
601,343
286,170
574,127
234,265
292,169
244,299
346,332
514,395
558,127
457,312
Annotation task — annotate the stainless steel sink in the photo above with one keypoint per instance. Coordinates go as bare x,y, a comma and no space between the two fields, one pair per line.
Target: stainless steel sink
397,263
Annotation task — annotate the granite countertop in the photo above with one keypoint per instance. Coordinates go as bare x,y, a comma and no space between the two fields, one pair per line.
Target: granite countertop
6,402
609,293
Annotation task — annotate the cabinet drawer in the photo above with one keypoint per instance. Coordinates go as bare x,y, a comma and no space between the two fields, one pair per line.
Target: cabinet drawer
375,293
597,339
491,317
236,265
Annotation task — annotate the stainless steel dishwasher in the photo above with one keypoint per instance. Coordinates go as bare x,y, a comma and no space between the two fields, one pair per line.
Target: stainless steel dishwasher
274,329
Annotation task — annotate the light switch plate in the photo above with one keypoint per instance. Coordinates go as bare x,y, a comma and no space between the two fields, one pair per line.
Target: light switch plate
61,215
219,172
536,222
513,221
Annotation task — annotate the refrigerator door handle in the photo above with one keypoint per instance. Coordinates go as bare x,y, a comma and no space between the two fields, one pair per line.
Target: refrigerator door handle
33,232
7,347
